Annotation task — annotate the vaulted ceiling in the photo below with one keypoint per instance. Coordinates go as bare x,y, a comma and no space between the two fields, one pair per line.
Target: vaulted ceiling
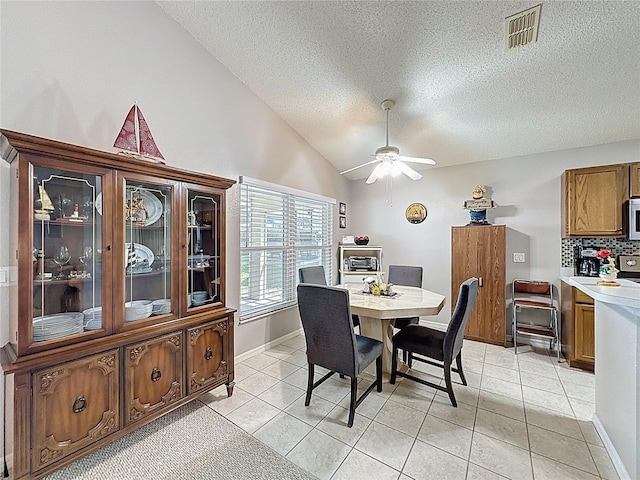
461,96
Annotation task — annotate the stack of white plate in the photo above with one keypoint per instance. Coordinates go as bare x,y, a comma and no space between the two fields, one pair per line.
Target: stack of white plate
92,318
57,325
137,309
161,307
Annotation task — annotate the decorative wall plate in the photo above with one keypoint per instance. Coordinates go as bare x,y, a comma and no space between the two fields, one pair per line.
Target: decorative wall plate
416,213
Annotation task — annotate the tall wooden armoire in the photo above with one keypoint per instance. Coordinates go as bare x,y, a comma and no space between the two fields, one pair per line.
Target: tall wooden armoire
486,252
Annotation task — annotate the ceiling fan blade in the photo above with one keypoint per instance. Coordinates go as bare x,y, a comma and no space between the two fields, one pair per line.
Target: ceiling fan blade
408,171
374,175
426,161
363,165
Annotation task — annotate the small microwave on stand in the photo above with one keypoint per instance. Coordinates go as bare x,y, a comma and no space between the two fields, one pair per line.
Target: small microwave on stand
361,263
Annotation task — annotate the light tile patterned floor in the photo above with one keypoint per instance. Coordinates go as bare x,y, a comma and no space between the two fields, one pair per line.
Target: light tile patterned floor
524,417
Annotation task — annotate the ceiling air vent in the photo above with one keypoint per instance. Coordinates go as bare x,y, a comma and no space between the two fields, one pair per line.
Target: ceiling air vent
522,28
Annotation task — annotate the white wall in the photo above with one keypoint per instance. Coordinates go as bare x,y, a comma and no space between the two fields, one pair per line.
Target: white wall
526,190
71,70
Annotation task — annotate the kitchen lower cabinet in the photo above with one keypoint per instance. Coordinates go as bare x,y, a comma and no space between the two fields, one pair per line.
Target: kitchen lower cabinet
154,375
208,356
74,404
578,328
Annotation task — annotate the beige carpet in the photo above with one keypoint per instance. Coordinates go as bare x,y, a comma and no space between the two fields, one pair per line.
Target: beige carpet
192,442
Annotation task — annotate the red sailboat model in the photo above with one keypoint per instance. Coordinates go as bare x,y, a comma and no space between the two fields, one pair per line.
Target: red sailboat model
135,137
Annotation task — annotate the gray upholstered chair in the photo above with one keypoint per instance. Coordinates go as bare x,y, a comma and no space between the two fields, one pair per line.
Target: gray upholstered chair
409,276
313,275
436,344
316,276
331,342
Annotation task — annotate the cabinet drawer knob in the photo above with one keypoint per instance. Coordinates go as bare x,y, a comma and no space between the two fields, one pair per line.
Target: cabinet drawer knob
208,354
80,404
155,374
480,282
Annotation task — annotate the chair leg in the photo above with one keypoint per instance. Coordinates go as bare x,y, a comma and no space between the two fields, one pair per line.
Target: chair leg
410,362
513,331
379,373
394,365
352,404
459,366
404,356
309,385
447,379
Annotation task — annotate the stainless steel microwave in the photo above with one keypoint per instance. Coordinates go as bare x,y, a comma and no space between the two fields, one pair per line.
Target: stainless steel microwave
633,232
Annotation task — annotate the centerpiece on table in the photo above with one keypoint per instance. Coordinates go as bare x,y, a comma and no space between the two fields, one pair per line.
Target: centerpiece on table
377,287
608,271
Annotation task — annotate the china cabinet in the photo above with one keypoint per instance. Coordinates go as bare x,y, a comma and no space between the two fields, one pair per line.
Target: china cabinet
593,201
117,314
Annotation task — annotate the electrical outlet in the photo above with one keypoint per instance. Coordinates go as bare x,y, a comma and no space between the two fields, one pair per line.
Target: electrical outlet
518,258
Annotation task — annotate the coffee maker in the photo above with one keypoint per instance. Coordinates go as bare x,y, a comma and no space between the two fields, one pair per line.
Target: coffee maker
587,264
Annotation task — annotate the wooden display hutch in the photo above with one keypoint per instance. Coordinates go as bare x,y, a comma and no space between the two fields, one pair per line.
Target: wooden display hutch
118,314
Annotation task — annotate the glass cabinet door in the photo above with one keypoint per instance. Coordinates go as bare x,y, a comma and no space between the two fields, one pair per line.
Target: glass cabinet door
67,251
203,248
147,251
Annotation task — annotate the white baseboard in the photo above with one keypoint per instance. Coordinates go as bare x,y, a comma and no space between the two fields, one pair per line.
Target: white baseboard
266,346
608,445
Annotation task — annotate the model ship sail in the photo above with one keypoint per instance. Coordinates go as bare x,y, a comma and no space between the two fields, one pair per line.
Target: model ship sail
43,205
135,137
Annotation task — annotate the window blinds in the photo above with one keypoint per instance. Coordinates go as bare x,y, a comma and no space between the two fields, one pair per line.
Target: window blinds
280,232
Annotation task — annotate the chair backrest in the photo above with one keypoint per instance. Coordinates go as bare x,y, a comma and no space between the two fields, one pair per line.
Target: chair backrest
533,293
328,328
405,275
455,332
313,275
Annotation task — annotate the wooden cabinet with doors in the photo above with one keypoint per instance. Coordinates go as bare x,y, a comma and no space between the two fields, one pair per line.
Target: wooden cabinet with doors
593,201
578,328
634,176
117,260
481,251
207,361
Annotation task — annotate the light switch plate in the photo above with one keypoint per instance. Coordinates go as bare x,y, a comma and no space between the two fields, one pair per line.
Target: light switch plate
518,258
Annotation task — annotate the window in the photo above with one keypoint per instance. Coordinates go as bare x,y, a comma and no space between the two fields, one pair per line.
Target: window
281,230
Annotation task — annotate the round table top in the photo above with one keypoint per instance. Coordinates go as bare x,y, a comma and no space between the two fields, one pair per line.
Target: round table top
410,302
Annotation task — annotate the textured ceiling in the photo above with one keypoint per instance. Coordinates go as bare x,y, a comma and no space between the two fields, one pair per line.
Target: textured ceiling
461,97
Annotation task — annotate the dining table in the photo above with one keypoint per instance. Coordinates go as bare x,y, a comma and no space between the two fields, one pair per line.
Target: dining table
377,312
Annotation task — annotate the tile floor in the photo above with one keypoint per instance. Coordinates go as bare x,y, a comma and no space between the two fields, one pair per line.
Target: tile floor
521,417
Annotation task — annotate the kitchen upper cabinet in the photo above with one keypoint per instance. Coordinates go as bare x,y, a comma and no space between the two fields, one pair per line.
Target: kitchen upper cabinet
634,174
115,262
593,201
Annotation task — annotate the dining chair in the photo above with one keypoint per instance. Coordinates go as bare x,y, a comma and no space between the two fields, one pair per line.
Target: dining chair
317,276
423,343
331,342
409,276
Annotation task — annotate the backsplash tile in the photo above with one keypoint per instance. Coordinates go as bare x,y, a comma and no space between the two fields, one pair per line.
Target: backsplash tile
618,246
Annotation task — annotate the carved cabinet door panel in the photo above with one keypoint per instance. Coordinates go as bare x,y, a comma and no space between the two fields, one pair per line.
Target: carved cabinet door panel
208,355
153,375
74,404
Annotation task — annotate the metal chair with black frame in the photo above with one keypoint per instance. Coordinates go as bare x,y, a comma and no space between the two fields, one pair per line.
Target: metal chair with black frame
316,276
423,343
409,276
535,295
331,342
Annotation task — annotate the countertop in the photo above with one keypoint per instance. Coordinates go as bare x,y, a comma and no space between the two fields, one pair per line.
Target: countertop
627,294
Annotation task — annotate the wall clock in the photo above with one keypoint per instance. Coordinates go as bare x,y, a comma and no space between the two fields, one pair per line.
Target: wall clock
416,213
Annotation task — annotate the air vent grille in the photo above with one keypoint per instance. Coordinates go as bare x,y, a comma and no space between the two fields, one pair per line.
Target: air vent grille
522,28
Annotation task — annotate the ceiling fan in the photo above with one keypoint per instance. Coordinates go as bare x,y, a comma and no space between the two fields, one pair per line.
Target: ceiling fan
388,158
